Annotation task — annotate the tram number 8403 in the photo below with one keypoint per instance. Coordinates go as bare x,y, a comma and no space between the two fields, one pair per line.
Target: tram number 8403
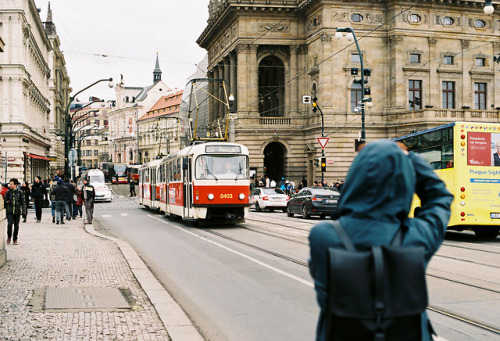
226,196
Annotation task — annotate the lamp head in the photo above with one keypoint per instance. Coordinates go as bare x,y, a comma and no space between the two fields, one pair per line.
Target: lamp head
110,83
488,7
349,36
231,98
339,35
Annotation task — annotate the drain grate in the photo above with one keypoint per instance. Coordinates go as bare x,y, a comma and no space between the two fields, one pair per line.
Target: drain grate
81,299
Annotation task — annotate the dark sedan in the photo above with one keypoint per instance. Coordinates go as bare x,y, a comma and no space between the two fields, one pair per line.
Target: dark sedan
313,201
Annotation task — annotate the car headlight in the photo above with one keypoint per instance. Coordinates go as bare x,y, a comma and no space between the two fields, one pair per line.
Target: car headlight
242,196
211,196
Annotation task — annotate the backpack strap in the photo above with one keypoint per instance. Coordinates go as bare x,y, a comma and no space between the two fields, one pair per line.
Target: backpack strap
398,238
344,238
378,265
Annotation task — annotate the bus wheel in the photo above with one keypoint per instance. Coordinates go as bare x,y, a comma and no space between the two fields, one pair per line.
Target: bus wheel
486,232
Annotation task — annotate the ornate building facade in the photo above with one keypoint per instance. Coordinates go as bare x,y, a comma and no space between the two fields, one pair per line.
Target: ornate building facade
431,63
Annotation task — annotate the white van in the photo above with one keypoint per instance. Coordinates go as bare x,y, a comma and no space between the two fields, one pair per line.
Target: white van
102,191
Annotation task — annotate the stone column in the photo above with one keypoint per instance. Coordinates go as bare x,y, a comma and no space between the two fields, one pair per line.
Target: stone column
211,104
253,71
215,89
464,96
398,96
242,79
294,81
432,97
495,87
227,76
220,92
233,82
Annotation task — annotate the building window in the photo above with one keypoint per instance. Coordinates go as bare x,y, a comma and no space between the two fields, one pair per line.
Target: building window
96,152
480,62
414,58
355,58
356,17
448,95
480,96
414,18
415,94
96,142
478,23
448,60
271,87
88,152
356,96
448,21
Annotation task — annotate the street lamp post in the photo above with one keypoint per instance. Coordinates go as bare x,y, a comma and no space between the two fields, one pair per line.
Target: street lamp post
67,131
352,36
317,107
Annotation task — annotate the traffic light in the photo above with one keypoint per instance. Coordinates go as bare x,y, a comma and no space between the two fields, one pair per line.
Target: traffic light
316,162
315,103
323,164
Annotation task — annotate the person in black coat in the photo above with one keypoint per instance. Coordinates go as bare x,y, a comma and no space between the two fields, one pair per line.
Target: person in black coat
69,198
38,194
60,193
14,206
25,188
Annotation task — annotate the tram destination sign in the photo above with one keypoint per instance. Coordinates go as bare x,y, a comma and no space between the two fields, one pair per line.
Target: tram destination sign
222,149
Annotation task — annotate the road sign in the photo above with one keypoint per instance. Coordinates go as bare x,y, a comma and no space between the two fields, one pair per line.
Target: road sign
330,162
306,99
323,141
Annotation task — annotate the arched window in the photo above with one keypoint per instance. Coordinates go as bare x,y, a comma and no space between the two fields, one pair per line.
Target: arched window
355,95
271,87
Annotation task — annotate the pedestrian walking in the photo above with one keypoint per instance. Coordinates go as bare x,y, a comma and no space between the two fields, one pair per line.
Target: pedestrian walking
132,187
39,194
69,199
79,202
89,199
60,193
52,184
374,206
15,205
25,188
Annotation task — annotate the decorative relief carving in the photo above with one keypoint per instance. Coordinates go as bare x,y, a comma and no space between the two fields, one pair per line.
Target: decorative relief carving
314,22
432,41
374,18
465,44
340,16
274,27
444,20
395,39
326,38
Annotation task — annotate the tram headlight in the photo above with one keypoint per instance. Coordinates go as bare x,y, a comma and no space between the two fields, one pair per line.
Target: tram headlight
211,196
242,196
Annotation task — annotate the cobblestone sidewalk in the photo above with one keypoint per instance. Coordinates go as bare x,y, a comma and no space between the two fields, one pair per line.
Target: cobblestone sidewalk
66,256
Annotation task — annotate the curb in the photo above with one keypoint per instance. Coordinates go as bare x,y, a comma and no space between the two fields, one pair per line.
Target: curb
176,322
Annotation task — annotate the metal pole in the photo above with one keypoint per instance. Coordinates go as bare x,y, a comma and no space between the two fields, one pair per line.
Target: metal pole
363,134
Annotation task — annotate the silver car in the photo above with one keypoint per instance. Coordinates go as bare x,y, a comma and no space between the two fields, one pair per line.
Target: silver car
102,192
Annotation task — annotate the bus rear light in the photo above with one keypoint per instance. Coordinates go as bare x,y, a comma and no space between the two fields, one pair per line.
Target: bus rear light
315,199
462,189
462,214
242,196
265,198
211,196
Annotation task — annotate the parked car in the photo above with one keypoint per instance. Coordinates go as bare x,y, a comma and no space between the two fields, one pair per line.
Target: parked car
313,201
268,198
102,192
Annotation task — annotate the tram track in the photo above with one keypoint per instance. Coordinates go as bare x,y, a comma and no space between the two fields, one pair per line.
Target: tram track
433,308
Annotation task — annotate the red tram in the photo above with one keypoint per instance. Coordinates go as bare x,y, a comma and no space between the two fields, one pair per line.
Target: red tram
202,182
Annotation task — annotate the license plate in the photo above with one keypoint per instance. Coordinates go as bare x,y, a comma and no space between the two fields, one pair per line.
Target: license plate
495,215
330,201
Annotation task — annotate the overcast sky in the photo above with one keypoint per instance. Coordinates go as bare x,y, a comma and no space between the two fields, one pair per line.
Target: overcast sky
130,33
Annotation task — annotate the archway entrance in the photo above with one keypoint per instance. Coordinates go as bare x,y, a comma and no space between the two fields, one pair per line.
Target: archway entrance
274,161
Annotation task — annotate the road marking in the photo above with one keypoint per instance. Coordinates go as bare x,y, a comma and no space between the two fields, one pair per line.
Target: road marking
124,214
106,216
281,272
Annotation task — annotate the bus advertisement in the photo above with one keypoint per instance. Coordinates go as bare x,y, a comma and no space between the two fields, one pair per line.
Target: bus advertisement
466,156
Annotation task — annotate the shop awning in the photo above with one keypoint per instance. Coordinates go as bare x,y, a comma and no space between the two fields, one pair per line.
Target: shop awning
33,156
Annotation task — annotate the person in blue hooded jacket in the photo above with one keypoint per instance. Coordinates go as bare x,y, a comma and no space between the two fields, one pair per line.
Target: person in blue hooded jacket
375,202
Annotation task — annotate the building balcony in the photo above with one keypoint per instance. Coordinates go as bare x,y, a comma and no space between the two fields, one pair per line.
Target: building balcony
443,115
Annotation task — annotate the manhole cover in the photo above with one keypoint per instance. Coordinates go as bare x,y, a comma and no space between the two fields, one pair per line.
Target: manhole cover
85,298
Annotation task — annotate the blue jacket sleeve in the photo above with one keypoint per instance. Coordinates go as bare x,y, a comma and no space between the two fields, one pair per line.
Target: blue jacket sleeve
428,227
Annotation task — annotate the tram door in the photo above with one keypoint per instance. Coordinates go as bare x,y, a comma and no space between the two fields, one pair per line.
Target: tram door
187,181
153,186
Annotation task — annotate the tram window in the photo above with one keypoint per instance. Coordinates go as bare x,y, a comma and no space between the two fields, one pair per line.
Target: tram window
221,167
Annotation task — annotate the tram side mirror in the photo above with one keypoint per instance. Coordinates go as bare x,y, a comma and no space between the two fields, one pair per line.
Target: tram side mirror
184,164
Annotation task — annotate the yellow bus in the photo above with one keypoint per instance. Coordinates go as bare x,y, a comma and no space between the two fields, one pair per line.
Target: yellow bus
466,156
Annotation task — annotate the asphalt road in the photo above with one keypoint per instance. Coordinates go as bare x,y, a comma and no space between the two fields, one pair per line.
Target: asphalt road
230,291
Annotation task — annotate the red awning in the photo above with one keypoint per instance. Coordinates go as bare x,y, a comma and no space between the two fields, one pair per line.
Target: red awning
33,156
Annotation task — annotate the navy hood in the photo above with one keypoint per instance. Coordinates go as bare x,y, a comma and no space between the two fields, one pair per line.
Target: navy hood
379,187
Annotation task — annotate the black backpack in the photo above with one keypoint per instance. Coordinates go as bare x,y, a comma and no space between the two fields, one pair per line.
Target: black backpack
378,294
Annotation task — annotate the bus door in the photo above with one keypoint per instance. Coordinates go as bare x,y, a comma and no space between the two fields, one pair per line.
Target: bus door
187,186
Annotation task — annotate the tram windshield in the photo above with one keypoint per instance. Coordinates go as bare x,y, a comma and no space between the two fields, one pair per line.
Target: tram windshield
221,167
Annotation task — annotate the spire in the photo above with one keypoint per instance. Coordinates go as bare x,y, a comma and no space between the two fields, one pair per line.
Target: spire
157,71
49,14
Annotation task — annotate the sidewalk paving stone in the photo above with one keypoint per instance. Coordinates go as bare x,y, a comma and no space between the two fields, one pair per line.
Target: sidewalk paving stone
66,256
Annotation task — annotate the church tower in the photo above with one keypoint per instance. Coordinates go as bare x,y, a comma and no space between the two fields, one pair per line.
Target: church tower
157,71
